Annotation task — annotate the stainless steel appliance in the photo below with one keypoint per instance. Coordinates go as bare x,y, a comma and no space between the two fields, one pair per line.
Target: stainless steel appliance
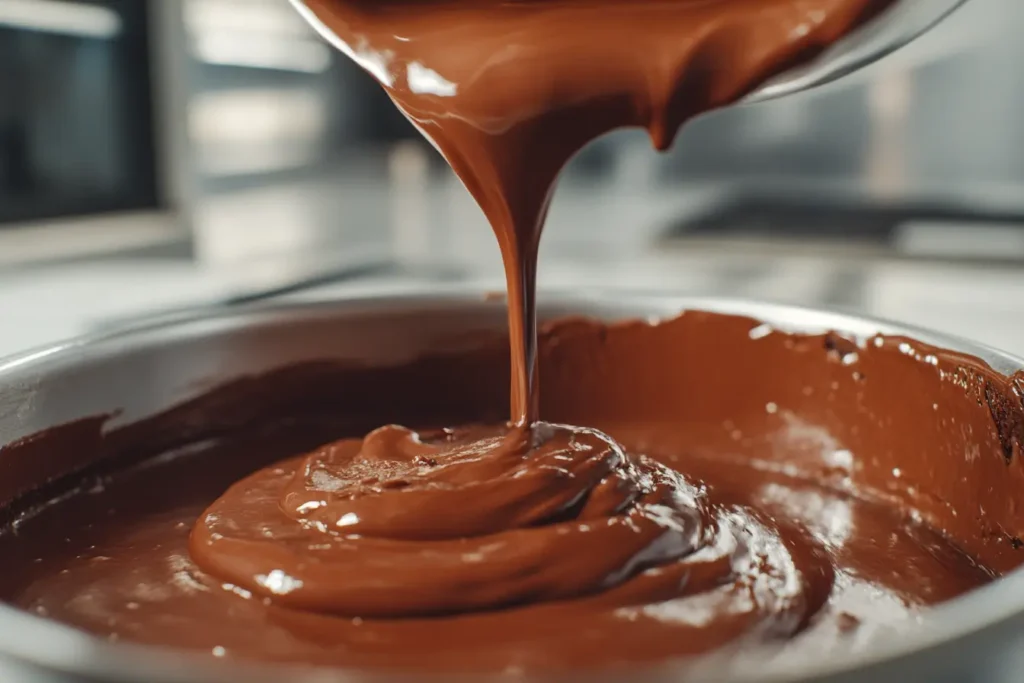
91,144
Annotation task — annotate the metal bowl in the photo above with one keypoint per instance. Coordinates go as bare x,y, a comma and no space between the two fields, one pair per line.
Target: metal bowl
149,369
893,29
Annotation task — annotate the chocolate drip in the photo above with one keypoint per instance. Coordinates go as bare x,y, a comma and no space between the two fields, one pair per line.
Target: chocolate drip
508,92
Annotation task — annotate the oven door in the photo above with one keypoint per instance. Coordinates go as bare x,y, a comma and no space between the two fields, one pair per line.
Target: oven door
82,151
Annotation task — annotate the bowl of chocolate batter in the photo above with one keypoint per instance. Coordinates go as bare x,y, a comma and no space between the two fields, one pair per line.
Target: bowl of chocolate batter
710,490
661,489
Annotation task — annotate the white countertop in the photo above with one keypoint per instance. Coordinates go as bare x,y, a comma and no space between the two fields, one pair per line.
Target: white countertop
42,306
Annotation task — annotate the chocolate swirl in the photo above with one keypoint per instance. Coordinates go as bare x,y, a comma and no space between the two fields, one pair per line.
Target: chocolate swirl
407,524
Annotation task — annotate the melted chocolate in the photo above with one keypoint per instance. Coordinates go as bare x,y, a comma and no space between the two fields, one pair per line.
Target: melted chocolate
805,491
831,490
486,518
508,92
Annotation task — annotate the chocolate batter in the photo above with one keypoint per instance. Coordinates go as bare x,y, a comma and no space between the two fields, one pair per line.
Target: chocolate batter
690,513
747,487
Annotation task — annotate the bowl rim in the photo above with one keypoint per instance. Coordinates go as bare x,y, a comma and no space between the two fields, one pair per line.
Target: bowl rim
49,645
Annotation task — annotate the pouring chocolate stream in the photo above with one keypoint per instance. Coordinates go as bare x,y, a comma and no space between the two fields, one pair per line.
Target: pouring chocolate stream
509,91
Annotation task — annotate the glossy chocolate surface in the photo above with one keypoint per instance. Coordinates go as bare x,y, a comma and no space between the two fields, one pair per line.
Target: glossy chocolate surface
820,492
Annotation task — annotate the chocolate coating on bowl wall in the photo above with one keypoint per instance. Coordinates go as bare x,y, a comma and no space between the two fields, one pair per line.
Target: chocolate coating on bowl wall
869,479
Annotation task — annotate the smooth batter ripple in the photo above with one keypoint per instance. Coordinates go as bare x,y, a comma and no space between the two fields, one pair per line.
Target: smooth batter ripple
404,524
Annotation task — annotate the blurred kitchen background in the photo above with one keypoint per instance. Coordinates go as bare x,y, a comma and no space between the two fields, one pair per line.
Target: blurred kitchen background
165,153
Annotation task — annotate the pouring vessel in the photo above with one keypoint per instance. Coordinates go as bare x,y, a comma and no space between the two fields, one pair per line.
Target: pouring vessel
893,28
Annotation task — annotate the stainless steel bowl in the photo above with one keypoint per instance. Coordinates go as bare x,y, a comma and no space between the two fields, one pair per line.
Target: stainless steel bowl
146,370
893,29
